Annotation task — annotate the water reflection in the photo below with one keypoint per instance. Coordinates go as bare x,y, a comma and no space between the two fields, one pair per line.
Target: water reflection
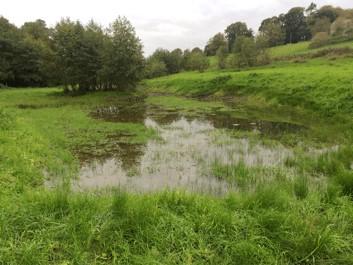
182,158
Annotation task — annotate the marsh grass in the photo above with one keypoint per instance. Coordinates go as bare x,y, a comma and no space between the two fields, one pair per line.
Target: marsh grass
273,219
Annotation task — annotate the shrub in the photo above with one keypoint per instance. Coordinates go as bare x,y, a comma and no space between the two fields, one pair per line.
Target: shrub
197,61
319,40
155,68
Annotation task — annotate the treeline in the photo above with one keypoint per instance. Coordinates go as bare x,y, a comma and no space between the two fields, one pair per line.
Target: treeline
90,57
80,57
163,62
239,47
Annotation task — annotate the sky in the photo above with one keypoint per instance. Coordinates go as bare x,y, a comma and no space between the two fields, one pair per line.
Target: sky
166,24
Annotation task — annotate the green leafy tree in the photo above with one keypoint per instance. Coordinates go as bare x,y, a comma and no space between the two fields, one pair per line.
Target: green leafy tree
273,31
236,30
296,25
123,59
246,51
172,60
215,43
196,61
222,54
72,53
155,68
176,61
37,35
19,58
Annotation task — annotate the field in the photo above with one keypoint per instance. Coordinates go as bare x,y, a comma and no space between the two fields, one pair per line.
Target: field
298,211
303,48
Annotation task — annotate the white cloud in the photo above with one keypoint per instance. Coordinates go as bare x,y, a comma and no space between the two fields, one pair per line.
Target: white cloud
159,23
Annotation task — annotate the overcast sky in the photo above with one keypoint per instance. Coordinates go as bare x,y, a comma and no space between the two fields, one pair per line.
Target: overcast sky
159,23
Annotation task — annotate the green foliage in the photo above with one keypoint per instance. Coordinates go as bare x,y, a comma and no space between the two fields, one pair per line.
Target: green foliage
246,51
196,61
163,62
155,68
216,43
273,31
319,40
222,54
235,30
296,26
20,59
122,57
79,57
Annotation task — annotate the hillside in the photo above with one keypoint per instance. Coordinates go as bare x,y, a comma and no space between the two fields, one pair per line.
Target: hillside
285,52
321,84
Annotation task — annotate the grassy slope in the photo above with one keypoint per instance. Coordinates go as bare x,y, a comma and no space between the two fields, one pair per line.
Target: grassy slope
290,50
303,48
320,84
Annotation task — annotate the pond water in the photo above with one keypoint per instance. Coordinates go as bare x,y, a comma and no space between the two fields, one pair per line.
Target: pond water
182,157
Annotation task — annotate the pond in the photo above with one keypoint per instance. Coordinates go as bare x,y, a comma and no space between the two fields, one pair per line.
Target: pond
182,156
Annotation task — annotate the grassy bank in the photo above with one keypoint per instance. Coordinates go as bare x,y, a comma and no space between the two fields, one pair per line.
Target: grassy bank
321,85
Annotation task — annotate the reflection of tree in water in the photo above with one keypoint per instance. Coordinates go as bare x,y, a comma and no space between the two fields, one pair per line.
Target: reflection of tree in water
129,110
270,128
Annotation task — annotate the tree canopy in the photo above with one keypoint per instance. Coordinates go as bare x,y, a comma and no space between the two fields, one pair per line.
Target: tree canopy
80,57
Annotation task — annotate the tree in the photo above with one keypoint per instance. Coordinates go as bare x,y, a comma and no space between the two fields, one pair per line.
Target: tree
196,61
94,38
155,68
19,58
215,43
329,12
173,61
176,58
311,8
123,59
272,29
73,54
236,30
296,25
37,35
222,54
246,50
196,50
37,30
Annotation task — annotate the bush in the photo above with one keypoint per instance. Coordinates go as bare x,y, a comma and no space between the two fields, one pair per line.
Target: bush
197,61
155,68
319,40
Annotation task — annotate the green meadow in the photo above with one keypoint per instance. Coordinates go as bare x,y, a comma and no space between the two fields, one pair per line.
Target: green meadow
298,213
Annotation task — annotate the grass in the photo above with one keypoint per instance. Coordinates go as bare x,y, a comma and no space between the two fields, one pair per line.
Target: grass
185,104
322,85
299,213
303,48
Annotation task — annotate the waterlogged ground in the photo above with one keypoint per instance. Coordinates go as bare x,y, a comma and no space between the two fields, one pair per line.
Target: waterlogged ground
188,146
